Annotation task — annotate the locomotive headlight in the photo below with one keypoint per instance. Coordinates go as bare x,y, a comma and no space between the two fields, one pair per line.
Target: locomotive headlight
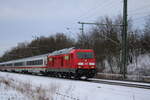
91,63
80,63
92,67
79,66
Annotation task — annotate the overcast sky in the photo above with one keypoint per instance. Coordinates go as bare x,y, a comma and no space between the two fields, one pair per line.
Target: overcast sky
21,20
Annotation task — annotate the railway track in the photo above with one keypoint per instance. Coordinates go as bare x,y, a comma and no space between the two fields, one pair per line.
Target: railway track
109,82
121,83
114,82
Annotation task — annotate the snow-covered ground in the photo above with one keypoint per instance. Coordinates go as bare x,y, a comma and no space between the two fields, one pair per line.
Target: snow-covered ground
7,93
62,89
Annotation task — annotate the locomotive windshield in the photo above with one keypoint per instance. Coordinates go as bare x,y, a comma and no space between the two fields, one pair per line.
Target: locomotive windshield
85,55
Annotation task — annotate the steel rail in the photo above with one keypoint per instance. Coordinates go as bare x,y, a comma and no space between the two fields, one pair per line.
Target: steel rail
121,84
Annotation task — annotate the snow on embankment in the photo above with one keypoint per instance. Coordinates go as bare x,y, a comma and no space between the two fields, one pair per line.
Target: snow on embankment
35,87
138,69
25,87
46,88
8,93
140,65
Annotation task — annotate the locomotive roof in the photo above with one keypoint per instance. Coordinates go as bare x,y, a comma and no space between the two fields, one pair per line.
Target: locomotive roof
63,51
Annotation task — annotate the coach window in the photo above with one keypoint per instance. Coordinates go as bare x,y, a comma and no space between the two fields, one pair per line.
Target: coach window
33,63
9,64
29,62
19,64
40,62
36,62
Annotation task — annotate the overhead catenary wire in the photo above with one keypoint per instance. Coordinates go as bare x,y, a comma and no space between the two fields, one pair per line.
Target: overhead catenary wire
72,33
109,4
89,10
142,17
143,10
90,13
138,12
99,5
140,8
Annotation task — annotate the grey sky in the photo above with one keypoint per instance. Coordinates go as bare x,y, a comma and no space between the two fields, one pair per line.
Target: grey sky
21,20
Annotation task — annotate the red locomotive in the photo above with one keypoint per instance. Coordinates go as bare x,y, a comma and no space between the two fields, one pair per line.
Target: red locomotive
68,63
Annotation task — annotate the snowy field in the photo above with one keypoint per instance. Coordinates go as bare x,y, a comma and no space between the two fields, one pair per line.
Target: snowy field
28,87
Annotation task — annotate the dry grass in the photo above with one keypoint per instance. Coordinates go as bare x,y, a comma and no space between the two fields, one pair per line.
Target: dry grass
31,91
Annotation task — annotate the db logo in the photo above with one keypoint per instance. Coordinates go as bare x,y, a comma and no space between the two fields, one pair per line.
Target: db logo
86,63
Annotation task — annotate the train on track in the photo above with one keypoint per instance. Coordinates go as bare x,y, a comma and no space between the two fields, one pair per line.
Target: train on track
68,63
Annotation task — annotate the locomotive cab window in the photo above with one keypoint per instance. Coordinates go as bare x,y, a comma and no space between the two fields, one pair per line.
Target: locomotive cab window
85,55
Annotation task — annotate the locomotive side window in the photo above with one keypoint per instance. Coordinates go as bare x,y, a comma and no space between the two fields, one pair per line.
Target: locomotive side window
66,57
85,55
50,59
